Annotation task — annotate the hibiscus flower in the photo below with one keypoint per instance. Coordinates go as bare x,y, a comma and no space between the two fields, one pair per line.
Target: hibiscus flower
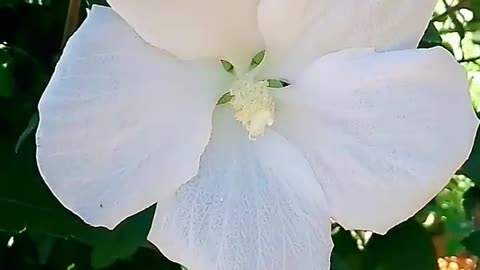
365,132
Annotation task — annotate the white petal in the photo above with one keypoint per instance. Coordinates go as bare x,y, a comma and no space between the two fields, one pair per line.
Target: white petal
298,31
254,205
121,124
193,29
384,132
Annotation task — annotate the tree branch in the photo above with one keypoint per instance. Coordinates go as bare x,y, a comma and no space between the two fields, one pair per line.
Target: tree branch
461,4
71,22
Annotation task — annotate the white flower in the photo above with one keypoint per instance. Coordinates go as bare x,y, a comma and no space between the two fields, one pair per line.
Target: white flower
369,130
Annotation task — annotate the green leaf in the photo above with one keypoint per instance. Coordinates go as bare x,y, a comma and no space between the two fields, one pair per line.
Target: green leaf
122,242
470,199
6,75
31,127
472,243
471,168
338,263
346,252
26,202
431,38
406,246
44,244
449,207
24,198
10,3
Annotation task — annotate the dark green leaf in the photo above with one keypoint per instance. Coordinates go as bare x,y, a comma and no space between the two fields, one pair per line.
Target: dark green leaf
31,127
472,243
44,244
471,168
26,202
406,246
337,262
470,199
346,251
122,242
431,38
6,75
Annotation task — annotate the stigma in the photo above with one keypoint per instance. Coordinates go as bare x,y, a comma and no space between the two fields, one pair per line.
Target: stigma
254,106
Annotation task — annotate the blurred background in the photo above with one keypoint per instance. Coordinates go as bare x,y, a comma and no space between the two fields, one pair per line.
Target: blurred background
36,232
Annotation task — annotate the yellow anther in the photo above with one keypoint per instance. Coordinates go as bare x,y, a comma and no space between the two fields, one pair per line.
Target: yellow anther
254,106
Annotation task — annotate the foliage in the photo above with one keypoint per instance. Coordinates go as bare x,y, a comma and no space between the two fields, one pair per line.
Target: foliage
36,232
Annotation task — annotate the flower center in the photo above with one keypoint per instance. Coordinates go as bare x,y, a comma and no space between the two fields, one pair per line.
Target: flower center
254,106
